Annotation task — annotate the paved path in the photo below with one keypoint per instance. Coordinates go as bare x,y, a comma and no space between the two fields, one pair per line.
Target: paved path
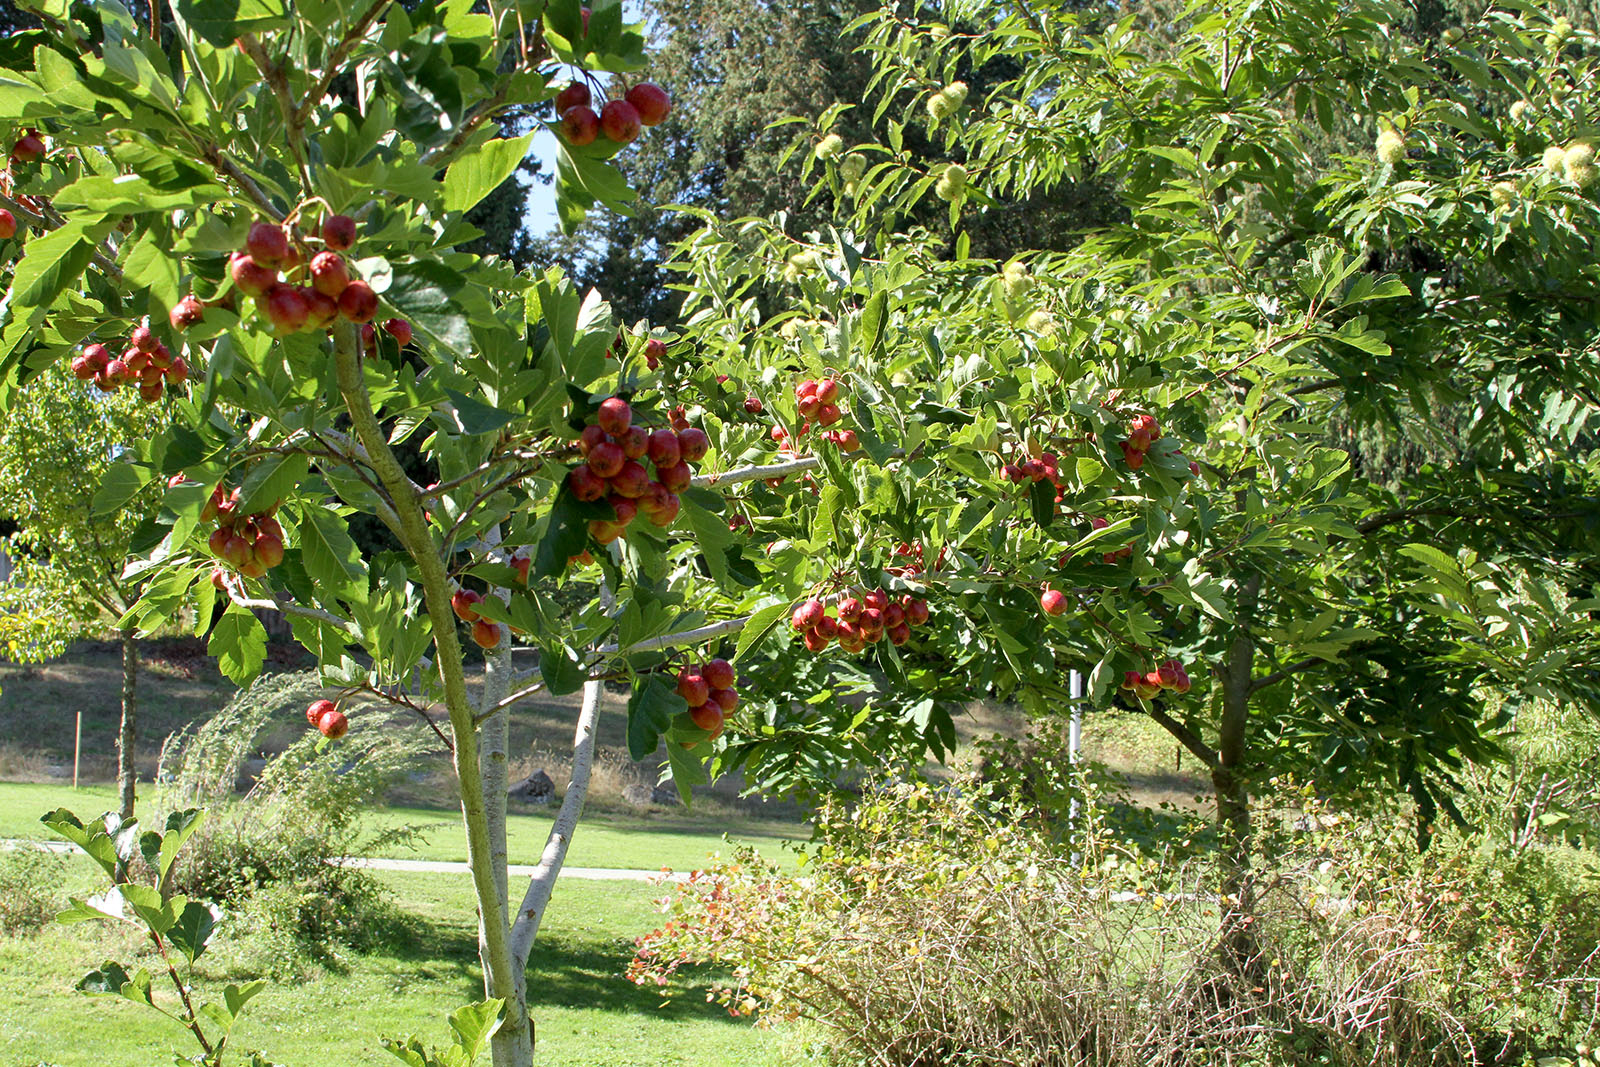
522,870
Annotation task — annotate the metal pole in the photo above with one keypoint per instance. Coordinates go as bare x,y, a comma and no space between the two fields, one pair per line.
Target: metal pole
77,748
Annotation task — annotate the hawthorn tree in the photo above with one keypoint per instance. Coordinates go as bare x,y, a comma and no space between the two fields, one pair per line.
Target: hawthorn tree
929,475
56,443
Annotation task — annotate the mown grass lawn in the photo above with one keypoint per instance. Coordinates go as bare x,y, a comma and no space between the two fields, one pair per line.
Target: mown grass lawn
585,1011
644,842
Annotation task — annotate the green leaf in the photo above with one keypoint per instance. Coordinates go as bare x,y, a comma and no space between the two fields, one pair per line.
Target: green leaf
874,320
105,980
424,291
49,264
120,484
193,930
565,537
479,173
650,711
331,558
272,480
761,623
711,533
687,771
221,22
475,417
239,642
562,670
92,839
475,1024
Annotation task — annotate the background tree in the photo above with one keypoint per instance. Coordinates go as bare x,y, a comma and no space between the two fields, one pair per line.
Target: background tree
57,441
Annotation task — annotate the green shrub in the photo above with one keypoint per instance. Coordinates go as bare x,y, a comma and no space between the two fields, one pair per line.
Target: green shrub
271,856
31,889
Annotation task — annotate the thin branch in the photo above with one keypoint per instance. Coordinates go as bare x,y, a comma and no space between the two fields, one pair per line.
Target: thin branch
289,607
697,636
49,219
227,167
521,694
335,62
1279,675
756,471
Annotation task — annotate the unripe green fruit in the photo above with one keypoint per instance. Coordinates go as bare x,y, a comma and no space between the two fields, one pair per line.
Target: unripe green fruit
1554,159
1042,322
1391,147
1521,112
1452,35
940,106
1582,174
852,167
1504,194
956,93
830,147
953,183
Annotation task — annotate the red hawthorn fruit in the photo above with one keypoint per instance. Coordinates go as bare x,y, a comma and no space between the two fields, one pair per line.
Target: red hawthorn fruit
187,312
580,125
663,449
218,541
1182,684
28,149
1139,439
318,708
136,361
898,635
664,504
815,641
654,352
236,550
707,717
848,441
1194,468
619,121
338,232
333,725
626,509
1053,601
635,443
893,615
219,581
150,392
1168,673
8,225
464,603
827,391
876,598
916,611
650,101
83,369
269,550
178,373
160,356
267,243
693,444
369,336
871,620
827,626
809,405
591,436
693,687
850,609
752,406
321,309
521,564
614,416
675,476
286,307
828,414
97,355
574,94
808,614
1149,424
632,481
726,699
358,302
399,329
606,459
250,277
115,374
604,531
486,633
329,275
1134,457
143,339
719,674
807,387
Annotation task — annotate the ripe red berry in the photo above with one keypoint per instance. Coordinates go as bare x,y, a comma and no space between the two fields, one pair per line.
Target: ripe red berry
916,611
269,550
898,635
650,101
8,225
625,508
187,312
719,674
267,243
619,121
1053,601
654,352
464,603
606,459
808,614
399,329
580,125
635,443
815,640
693,444
486,633
321,309
675,476
329,275
28,149
521,564
850,609
708,717
250,277
1134,458
603,531
286,307
333,725
693,687
632,481
358,302
752,405
150,391
662,448
318,708
726,699
574,94
614,416
338,232
660,505
828,414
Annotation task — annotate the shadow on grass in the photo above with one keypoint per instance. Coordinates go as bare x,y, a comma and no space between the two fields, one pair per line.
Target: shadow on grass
565,973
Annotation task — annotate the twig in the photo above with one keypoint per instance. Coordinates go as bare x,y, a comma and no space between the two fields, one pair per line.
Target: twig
335,62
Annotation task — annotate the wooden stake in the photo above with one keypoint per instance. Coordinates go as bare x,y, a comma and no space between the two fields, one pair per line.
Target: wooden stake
77,748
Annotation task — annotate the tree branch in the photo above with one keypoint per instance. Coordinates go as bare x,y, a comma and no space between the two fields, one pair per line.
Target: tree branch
1186,737
1279,675
335,62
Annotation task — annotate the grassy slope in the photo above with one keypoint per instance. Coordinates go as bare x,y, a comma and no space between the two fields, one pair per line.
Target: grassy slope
586,1013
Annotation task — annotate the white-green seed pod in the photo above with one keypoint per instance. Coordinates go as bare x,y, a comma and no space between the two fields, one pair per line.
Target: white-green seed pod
1521,112
1391,147
1554,159
939,107
830,146
1042,323
956,93
852,167
1504,194
1452,35
1577,154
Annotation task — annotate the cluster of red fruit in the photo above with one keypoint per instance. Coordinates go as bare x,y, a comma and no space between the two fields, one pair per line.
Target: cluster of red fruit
871,618
709,691
613,447
464,602
818,400
146,361
1143,431
646,104
330,294
913,555
1043,467
1170,675
1117,555
326,717
27,149
252,544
